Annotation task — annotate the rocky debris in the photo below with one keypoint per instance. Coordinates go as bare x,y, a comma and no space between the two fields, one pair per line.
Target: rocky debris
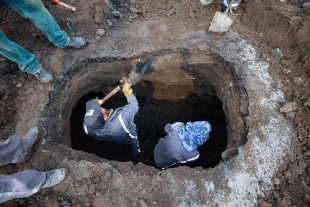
288,174
290,115
293,2
100,32
92,4
275,181
191,14
229,153
306,5
71,25
286,71
19,85
116,13
295,20
284,202
134,16
276,53
305,84
22,202
92,189
135,10
272,6
78,205
99,16
65,202
262,203
288,107
3,59
142,203
306,103
264,55
298,80
307,153
110,23
97,38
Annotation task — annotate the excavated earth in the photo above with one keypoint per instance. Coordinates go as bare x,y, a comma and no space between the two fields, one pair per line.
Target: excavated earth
256,155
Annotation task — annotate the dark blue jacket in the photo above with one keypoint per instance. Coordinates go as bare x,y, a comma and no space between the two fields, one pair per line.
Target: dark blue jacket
120,126
170,151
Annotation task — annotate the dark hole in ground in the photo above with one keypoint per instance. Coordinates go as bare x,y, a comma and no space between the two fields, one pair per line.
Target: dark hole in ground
151,119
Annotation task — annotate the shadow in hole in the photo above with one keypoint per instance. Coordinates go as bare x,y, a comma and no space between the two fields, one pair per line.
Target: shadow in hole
152,117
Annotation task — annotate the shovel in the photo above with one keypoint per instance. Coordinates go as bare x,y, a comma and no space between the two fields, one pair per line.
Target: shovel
223,20
134,77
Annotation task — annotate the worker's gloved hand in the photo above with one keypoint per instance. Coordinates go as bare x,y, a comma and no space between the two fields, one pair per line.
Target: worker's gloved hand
99,101
126,87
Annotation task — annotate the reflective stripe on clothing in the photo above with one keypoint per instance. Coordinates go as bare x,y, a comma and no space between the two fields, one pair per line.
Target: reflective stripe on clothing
120,118
85,129
170,151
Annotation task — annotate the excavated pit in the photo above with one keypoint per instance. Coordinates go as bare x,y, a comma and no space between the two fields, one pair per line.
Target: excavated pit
151,119
180,88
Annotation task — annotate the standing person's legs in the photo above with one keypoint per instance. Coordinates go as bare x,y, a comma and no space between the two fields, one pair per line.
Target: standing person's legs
26,61
15,148
20,184
28,182
38,14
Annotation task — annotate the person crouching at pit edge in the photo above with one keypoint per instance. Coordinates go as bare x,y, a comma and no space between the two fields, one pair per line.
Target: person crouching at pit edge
114,126
181,143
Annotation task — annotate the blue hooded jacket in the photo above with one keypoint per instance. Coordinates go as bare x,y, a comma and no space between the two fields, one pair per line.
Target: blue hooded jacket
180,143
193,134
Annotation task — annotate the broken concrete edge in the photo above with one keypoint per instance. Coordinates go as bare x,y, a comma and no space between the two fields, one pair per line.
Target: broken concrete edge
238,181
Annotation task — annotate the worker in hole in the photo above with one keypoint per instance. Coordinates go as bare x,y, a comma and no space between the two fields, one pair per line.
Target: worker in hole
38,14
114,126
181,143
17,149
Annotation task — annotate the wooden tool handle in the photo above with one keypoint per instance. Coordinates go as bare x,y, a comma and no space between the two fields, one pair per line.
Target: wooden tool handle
115,90
65,5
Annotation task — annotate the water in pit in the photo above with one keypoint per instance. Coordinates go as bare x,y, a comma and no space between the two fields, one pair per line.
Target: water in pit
151,119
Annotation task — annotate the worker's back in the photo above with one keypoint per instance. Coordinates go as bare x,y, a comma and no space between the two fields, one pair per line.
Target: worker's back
112,131
169,150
